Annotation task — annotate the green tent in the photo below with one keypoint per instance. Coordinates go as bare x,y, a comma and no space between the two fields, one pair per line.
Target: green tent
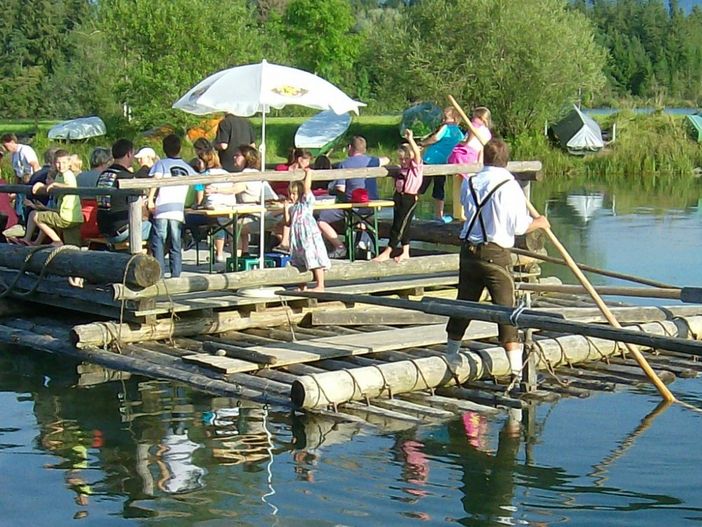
694,126
577,133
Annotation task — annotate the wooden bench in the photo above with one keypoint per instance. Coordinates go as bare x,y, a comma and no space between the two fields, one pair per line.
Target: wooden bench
101,244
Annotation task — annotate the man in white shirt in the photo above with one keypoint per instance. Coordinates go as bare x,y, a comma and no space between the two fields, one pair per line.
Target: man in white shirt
24,162
496,210
166,205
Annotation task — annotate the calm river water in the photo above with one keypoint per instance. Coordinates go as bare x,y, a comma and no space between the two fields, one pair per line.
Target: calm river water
143,452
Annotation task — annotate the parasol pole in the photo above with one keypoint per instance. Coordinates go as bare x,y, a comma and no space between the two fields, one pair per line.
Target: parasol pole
261,230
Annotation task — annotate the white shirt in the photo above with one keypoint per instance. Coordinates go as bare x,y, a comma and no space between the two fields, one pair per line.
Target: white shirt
170,201
252,194
22,159
504,215
215,199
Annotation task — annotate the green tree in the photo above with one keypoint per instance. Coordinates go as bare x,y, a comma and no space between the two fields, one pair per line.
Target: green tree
524,60
33,44
321,39
159,50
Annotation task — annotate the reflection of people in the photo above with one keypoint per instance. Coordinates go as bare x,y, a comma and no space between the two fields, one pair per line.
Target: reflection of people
496,210
175,459
487,479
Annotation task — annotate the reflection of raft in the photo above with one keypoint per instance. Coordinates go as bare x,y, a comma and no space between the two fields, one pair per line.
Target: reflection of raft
320,133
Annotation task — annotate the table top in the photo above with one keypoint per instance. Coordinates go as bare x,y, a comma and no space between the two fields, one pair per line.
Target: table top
252,208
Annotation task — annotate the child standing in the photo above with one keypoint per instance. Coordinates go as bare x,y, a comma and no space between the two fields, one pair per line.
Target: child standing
438,148
470,150
307,249
166,205
407,184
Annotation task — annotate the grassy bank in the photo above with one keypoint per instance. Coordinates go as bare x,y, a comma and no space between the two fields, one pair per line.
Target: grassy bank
652,150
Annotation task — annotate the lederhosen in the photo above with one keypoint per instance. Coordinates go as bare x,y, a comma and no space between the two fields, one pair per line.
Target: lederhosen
483,265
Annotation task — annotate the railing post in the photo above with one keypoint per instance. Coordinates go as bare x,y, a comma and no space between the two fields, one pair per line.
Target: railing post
135,208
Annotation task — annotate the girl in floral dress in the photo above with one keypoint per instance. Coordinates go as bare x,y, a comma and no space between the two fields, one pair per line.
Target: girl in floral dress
307,249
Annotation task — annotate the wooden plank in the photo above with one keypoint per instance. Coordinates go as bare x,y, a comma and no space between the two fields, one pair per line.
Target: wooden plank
364,316
221,364
342,346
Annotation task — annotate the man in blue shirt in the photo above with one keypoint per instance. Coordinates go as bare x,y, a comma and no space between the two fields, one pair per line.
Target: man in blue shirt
332,221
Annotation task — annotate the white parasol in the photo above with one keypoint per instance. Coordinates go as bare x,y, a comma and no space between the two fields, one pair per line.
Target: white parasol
256,88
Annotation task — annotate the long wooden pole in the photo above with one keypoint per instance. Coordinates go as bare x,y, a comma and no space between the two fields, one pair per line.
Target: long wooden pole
529,318
591,269
640,359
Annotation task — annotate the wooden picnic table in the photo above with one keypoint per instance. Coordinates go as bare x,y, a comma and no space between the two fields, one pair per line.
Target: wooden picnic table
356,213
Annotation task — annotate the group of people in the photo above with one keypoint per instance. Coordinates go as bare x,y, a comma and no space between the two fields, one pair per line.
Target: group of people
493,202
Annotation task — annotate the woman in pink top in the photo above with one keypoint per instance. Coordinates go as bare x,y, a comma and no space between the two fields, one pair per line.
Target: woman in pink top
470,150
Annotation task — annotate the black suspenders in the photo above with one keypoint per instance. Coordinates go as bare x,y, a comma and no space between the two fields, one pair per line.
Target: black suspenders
479,207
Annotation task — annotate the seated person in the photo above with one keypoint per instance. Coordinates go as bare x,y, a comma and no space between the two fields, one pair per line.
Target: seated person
66,219
113,211
332,221
298,159
247,160
100,159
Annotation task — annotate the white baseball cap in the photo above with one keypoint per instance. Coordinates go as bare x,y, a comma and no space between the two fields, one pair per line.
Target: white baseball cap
146,152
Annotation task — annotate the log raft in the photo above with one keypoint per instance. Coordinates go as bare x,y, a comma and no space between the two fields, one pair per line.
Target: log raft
281,349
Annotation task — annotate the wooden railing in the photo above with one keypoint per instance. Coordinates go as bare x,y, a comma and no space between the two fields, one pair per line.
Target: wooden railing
524,171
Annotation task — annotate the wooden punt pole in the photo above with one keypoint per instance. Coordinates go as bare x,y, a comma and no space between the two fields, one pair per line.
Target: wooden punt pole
99,267
662,388
320,390
524,319
591,269
289,275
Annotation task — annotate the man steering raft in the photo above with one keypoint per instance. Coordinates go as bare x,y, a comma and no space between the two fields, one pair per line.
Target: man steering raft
496,210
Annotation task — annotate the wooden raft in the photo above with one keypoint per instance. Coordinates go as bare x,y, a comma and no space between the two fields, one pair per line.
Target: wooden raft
253,358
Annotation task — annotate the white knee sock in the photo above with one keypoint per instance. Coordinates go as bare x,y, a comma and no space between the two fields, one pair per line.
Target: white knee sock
452,346
515,360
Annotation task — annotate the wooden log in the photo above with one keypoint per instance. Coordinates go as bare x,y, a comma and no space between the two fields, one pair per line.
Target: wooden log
49,344
525,319
320,390
98,267
99,334
59,286
526,170
88,192
359,316
289,275
641,292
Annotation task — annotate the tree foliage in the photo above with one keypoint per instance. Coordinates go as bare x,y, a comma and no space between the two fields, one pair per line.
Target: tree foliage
320,38
524,60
